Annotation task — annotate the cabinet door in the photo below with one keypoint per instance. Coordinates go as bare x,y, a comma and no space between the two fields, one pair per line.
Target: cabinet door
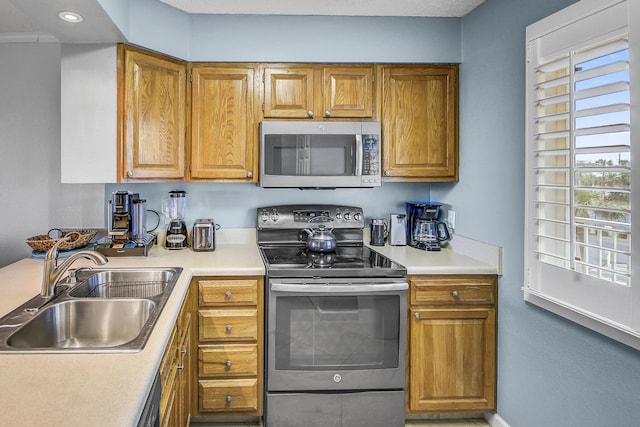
152,120
348,92
419,125
224,139
452,359
288,92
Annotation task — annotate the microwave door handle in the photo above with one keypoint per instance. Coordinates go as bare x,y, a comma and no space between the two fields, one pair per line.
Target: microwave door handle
339,289
359,154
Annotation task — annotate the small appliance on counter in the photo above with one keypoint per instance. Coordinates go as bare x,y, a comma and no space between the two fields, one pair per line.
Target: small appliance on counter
174,209
425,231
378,232
127,226
203,235
398,230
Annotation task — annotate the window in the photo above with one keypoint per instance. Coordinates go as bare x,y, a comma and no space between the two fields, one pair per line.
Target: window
579,254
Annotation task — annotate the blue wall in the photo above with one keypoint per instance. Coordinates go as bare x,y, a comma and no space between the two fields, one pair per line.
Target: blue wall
550,372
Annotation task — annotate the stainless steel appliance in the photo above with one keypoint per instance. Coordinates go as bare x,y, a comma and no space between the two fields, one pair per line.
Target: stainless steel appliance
378,231
127,226
174,209
335,323
398,229
319,154
203,235
119,217
425,231
150,416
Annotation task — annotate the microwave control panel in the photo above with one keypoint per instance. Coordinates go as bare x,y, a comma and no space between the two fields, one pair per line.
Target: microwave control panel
370,155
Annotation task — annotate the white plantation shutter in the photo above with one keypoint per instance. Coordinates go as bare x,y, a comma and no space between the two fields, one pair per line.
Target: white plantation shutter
578,252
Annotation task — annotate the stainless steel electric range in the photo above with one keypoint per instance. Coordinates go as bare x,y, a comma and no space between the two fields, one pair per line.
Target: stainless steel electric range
335,321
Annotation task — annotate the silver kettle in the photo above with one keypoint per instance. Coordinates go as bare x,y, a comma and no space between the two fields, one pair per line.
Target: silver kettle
320,239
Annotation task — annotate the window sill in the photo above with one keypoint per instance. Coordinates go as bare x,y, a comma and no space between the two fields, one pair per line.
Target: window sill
610,329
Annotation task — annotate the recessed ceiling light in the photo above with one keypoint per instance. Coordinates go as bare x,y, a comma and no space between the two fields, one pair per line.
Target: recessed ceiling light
69,16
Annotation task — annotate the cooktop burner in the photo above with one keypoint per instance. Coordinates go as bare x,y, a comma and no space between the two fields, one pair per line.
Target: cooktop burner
345,261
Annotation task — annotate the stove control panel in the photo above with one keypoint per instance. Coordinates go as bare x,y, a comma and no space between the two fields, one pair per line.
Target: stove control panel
305,216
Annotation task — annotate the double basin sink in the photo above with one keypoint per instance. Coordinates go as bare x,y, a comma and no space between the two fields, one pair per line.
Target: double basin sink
101,310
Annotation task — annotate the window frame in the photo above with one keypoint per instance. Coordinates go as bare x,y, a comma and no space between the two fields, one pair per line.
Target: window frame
564,27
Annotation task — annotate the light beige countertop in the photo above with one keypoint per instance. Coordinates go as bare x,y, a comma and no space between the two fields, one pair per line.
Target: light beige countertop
110,389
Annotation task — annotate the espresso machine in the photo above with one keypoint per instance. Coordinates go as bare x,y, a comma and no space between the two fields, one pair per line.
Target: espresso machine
424,230
174,209
127,226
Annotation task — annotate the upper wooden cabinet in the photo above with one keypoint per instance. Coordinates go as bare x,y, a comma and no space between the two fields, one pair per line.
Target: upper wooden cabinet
224,139
307,91
152,102
420,123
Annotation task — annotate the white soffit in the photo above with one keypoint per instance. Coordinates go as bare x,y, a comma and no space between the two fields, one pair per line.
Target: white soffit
433,8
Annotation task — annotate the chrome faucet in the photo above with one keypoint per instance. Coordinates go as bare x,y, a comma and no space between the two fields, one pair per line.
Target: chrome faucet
53,272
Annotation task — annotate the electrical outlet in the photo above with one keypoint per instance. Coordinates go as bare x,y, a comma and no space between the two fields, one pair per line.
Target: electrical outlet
451,220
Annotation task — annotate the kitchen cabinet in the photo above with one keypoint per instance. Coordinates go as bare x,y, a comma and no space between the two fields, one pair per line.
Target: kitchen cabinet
420,123
309,91
224,133
175,371
151,119
230,346
451,361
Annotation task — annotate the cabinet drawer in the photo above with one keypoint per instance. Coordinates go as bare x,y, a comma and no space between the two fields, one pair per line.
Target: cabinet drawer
228,292
229,360
228,395
453,291
228,325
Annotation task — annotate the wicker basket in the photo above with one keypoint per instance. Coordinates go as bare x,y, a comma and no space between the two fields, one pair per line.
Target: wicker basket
78,239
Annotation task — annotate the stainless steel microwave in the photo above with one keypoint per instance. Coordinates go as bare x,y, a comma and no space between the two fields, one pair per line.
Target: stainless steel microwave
319,154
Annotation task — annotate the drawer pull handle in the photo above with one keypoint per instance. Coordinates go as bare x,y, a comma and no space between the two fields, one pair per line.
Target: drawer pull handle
229,399
417,316
183,351
455,294
228,294
229,328
180,367
228,364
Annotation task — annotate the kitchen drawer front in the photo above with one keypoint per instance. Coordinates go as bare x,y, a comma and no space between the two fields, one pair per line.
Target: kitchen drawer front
228,325
229,360
476,290
228,395
228,292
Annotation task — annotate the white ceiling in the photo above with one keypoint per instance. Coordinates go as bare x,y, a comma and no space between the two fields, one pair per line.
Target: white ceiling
435,8
36,20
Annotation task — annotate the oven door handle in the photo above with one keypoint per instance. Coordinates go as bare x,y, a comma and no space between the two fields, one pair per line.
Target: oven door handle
339,289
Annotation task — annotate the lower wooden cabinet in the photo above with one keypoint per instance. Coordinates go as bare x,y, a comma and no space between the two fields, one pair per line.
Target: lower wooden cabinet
451,361
175,371
229,346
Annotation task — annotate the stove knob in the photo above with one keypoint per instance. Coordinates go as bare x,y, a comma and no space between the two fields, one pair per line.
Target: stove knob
264,217
274,216
357,217
338,215
347,216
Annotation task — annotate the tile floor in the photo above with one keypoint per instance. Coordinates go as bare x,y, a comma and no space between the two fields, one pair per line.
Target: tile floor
475,422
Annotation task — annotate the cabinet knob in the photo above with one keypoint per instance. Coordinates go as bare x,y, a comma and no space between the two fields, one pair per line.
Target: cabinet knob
180,367
130,174
310,113
228,364
229,328
229,399
455,294
327,113
227,294
417,316
249,174
387,173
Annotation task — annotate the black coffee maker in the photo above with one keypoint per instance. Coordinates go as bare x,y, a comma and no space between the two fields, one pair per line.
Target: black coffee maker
424,231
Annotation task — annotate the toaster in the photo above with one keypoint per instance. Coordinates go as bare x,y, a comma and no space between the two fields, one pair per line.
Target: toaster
204,235
398,229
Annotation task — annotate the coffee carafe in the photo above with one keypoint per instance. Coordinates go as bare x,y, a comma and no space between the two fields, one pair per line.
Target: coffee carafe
174,209
425,231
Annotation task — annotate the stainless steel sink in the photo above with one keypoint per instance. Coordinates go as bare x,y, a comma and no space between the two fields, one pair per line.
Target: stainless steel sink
100,310
85,324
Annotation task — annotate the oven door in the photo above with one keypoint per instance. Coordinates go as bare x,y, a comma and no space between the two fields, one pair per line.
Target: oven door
335,334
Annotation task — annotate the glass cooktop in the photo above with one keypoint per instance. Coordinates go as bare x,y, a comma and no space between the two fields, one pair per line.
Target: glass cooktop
345,261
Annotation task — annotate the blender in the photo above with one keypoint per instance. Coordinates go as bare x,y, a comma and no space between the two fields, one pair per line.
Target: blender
175,211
